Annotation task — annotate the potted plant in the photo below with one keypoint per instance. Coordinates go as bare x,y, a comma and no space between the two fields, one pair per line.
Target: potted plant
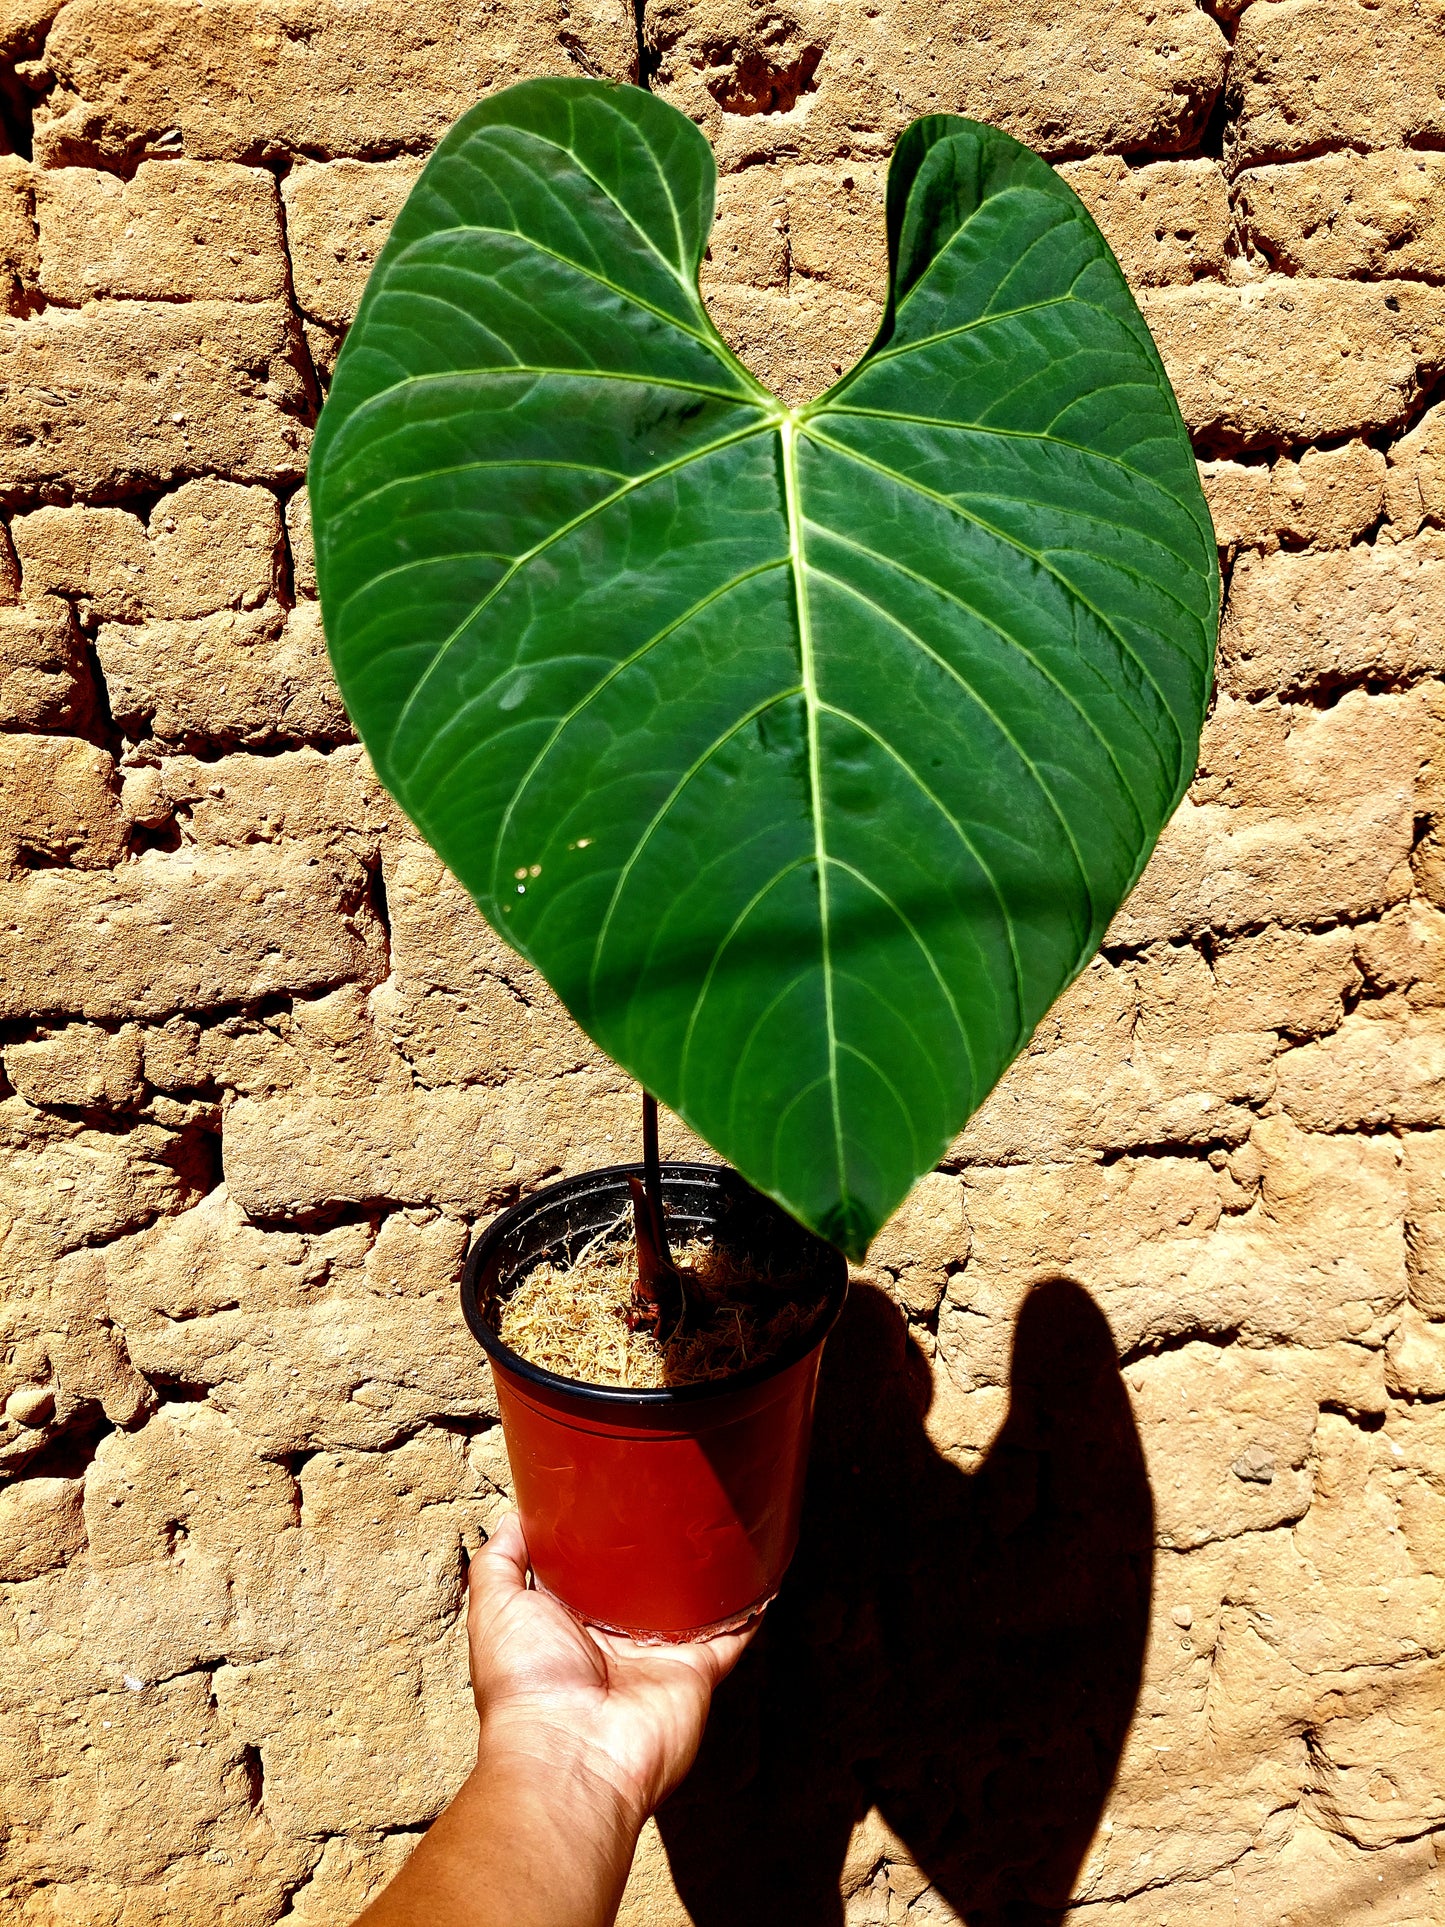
807,752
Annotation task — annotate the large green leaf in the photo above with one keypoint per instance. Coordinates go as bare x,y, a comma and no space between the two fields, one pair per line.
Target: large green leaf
808,751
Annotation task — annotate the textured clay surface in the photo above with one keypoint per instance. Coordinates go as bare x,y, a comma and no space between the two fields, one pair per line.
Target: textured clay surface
1122,1592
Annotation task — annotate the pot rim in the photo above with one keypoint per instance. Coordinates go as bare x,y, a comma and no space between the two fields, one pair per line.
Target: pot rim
652,1398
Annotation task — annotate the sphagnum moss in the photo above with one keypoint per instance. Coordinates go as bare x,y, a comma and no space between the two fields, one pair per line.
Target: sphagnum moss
572,1319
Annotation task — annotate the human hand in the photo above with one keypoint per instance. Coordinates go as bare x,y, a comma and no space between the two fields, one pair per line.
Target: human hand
582,1734
601,1710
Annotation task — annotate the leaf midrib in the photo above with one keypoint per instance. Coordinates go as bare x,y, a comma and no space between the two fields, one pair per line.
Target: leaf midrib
788,432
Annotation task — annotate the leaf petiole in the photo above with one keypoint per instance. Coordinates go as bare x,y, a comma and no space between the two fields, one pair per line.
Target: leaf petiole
660,1299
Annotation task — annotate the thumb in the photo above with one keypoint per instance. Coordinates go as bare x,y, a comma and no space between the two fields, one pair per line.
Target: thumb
498,1571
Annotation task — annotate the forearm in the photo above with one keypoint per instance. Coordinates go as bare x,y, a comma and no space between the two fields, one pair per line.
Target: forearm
527,1842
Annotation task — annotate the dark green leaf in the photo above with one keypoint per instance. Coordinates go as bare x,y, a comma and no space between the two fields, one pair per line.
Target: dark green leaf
807,752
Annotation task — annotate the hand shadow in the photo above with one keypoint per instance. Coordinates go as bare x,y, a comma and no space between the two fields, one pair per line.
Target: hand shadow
961,1650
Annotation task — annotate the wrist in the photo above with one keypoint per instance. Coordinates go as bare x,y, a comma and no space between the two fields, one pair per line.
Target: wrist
577,1783
537,1836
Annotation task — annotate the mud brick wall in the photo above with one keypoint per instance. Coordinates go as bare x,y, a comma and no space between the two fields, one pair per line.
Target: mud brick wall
1124,1573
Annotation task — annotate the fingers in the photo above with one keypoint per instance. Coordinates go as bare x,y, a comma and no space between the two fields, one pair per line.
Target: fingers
710,1659
499,1572
729,1649
715,1658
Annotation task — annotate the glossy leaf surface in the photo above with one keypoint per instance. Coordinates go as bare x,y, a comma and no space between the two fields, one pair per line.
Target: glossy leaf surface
807,752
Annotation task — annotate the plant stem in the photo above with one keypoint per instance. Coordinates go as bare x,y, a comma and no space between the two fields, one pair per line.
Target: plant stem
659,1298
652,1171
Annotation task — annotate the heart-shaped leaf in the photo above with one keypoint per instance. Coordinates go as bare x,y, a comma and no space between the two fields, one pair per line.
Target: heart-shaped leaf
807,751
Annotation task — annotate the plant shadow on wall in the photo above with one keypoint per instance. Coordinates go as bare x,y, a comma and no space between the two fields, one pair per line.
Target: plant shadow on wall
962,1650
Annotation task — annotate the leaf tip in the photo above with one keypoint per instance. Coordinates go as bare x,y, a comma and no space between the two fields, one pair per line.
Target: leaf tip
849,1226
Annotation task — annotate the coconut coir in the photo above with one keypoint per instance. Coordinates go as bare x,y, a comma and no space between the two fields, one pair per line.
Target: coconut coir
572,1318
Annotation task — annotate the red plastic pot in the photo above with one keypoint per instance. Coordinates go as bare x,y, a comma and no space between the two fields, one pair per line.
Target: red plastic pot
669,1514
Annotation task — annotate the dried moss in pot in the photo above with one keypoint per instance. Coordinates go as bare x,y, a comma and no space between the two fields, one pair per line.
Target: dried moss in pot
575,1318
